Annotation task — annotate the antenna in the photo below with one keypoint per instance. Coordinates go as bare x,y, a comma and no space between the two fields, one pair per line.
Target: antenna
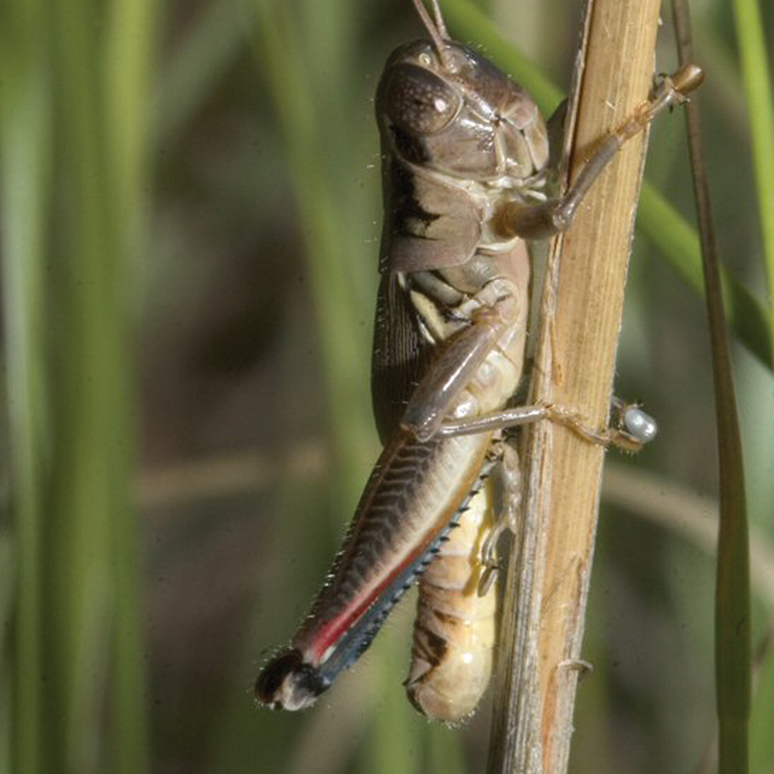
439,22
437,29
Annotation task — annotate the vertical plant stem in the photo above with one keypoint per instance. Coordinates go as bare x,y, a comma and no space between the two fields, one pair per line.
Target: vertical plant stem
126,91
25,141
574,367
72,204
733,653
760,103
617,77
93,444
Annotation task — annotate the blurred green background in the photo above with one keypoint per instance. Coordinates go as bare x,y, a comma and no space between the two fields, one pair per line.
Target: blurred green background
189,214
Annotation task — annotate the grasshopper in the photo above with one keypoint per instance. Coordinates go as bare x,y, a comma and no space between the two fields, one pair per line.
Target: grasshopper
465,176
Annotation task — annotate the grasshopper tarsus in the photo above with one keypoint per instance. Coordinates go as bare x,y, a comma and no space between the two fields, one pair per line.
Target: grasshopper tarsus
631,428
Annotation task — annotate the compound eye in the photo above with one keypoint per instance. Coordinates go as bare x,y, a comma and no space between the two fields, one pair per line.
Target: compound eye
418,101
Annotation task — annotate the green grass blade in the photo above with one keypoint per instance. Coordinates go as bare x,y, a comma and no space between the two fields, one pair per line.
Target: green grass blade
72,206
25,142
126,92
733,655
760,109
89,501
760,105
678,243
761,738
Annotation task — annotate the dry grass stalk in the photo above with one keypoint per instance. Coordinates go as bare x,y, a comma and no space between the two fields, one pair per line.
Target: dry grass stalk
547,586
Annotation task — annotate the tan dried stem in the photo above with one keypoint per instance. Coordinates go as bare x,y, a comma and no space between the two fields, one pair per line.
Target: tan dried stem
547,586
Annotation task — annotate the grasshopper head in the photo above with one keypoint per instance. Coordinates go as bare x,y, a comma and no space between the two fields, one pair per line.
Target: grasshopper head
450,110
